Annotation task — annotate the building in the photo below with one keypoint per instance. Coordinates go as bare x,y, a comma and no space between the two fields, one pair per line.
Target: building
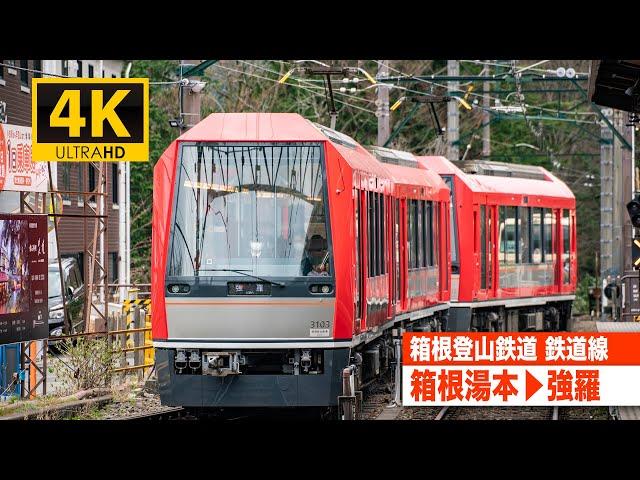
15,91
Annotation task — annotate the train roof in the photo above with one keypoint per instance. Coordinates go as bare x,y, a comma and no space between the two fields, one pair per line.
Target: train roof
279,127
403,169
504,178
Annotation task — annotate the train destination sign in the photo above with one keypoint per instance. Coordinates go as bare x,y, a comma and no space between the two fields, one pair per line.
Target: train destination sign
90,119
521,369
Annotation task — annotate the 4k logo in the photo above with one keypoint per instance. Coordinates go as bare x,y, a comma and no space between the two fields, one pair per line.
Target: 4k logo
90,119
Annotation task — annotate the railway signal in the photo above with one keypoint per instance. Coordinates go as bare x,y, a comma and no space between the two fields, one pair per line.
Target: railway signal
633,207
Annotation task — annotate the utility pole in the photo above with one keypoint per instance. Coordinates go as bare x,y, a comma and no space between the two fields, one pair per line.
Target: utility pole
191,99
453,133
606,203
486,116
382,104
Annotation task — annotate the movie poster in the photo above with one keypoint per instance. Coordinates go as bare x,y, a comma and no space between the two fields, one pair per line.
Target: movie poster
23,278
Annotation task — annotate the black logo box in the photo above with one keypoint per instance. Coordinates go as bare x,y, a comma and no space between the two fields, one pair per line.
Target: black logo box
130,110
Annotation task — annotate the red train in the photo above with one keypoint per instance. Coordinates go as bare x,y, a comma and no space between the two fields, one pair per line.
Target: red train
514,262
284,252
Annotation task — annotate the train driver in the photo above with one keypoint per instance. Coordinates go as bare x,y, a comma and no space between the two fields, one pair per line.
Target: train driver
314,262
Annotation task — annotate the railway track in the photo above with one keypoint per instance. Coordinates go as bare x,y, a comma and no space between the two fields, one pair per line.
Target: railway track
497,413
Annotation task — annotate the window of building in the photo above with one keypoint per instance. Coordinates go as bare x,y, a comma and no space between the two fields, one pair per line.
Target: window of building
81,170
65,68
90,71
114,183
80,72
65,179
1,70
24,74
92,178
37,67
113,267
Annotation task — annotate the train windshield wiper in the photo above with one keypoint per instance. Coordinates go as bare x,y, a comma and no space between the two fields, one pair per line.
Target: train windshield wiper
243,272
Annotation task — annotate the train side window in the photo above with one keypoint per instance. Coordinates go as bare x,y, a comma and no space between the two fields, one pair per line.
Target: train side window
356,313
547,236
383,250
419,228
396,246
566,232
435,250
427,236
536,235
371,240
483,248
524,235
413,223
508,235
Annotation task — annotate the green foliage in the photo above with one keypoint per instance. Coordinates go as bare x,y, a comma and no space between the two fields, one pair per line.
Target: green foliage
581,303
84,363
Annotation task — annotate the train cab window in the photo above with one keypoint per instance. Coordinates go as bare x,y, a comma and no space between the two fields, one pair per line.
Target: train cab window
251,209
566,242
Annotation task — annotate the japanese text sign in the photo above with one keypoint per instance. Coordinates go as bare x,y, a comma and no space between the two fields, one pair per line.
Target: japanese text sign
512,369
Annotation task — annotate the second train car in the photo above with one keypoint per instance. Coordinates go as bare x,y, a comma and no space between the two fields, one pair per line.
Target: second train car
514,259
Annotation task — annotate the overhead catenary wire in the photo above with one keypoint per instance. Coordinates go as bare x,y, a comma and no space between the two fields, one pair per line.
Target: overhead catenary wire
480,95
218,65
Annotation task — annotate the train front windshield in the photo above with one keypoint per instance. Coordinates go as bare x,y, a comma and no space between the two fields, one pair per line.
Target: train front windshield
255,209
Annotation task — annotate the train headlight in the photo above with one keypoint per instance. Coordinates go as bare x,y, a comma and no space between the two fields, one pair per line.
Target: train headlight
322,288
179,288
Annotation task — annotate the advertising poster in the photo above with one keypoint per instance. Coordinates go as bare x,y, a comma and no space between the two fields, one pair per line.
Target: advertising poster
23,278
17,171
